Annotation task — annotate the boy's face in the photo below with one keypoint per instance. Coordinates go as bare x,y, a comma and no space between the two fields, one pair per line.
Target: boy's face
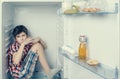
20,38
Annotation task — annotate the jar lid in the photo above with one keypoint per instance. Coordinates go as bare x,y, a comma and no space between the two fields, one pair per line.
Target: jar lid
82,38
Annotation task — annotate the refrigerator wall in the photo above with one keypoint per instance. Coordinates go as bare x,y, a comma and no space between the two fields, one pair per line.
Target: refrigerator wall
40,18
7,24
0,41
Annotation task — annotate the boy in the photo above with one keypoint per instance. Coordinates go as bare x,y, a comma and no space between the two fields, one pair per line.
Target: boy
23,54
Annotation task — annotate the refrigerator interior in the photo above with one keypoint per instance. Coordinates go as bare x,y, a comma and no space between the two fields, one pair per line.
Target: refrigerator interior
41,19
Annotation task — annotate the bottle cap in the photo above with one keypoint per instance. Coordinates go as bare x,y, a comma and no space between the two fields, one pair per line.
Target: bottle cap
82,38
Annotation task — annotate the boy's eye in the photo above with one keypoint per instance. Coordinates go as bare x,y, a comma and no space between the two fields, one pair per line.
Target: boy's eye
23,35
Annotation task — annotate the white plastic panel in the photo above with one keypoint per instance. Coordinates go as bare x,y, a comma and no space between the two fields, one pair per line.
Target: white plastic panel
74,71
32,0
7,24
0,41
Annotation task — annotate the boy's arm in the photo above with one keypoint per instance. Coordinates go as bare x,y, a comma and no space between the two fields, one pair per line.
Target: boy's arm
17,56
38,39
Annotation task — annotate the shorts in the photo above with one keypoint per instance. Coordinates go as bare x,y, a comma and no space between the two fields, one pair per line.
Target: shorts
28,65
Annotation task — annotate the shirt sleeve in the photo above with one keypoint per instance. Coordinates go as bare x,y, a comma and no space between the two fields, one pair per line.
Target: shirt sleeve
14,68
10,53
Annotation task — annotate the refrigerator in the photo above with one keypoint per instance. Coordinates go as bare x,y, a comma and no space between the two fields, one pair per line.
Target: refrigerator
45,18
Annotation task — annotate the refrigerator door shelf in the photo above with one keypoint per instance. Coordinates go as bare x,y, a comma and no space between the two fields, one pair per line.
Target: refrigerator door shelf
101,70
113,10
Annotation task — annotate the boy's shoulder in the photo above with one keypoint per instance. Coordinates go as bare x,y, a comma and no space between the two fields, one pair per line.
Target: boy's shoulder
13,47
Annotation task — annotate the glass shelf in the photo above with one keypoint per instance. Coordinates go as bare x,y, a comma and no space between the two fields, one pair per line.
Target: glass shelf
101,70
114,11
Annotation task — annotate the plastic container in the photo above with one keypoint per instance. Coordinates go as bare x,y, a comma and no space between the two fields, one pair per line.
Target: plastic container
95,6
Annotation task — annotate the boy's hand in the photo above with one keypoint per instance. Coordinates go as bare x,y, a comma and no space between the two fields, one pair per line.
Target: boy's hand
27,41
35,40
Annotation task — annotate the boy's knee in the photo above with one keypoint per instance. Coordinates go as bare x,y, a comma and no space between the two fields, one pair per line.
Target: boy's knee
36,47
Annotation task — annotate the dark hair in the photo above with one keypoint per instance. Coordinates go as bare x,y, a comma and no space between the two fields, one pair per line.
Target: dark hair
18,29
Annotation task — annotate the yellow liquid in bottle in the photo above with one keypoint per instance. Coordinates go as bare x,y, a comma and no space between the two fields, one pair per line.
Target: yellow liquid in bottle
82,51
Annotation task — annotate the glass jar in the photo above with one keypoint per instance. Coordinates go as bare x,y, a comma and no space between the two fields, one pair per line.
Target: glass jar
82,47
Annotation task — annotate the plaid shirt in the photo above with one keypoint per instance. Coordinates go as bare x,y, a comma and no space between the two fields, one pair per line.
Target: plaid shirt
15,68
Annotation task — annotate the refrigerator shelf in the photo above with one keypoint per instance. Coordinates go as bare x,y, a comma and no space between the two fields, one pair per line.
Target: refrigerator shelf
114,11
101,70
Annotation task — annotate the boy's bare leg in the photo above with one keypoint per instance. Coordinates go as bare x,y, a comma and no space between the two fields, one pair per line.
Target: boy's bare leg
40,51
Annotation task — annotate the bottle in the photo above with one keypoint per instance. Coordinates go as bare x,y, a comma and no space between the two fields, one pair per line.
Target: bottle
82,47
